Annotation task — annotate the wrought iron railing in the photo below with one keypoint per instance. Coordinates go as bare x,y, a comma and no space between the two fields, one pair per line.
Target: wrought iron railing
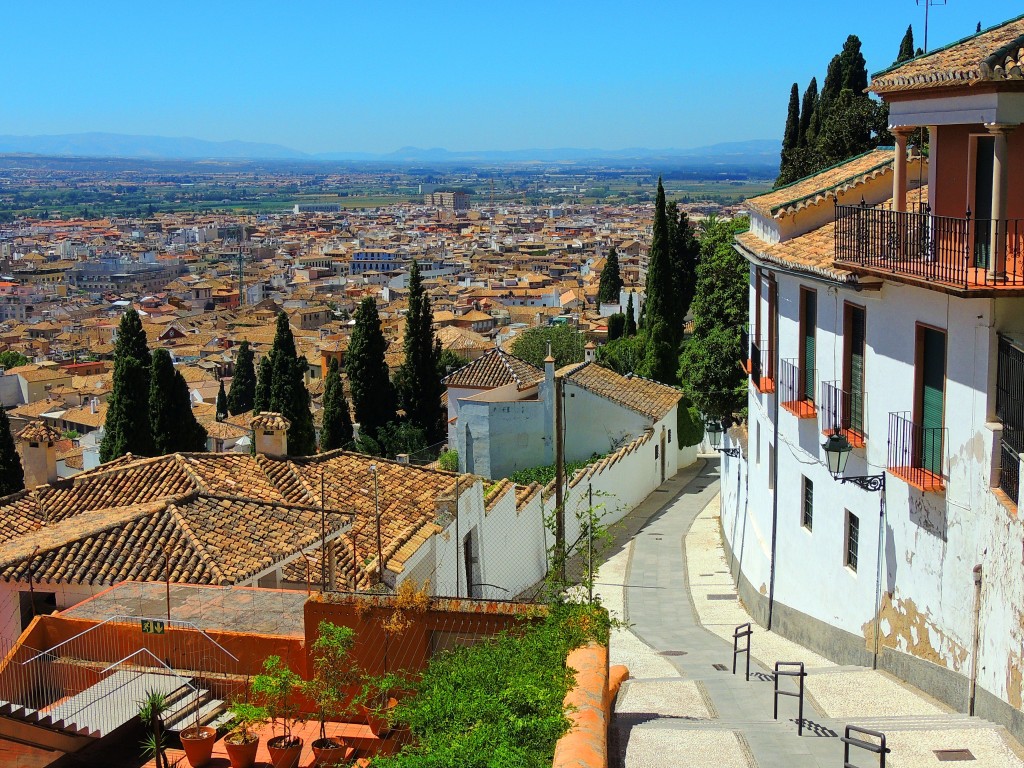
1010,411
1009,471
960,252
916,452
761,366
796,384
842,412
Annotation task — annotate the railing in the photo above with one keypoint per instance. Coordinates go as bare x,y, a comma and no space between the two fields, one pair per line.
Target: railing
960,252
745,349
916,452
761,373
796,388
1009,471
849,740
791,669
1010,411
742,632
843,413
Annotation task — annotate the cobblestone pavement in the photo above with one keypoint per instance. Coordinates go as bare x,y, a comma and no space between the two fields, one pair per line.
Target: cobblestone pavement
668,579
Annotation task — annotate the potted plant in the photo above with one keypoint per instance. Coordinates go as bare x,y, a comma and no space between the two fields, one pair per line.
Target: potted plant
377,701
197,740
330,688
276,687
151,712
243,742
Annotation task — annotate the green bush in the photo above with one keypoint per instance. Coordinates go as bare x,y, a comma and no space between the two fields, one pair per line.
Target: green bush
689,426
449,460
544,475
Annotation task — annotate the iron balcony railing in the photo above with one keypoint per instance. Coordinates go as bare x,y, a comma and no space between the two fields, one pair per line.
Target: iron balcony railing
916,452
745,348
1010,411
842,412
796,387
761,366
1009,471
959,252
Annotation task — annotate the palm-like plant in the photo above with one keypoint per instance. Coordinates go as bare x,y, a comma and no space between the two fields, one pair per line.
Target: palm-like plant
151,712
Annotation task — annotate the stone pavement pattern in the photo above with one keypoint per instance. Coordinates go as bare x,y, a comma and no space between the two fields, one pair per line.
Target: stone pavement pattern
678,710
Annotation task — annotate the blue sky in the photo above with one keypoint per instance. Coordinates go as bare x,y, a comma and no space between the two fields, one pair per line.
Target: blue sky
375,76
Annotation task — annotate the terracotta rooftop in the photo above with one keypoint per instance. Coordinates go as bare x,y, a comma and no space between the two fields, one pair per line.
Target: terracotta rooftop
812,189
495,368
645,396
994,55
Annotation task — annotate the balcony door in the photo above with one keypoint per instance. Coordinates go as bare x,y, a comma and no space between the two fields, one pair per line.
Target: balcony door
853,415
984,168
930,397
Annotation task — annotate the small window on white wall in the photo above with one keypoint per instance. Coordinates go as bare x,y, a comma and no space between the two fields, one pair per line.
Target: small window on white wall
850,555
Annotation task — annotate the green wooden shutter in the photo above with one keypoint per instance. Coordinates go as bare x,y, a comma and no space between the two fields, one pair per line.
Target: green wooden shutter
984,170
933,378
810,321
855,417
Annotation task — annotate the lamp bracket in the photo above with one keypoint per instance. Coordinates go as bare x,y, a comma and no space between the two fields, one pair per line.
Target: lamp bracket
734,452
867,482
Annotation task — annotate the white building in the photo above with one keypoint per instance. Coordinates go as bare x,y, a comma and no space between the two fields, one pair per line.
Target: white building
896,326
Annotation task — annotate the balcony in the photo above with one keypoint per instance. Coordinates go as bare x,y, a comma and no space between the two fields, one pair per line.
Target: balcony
842,413
761,374
916,453
941,252
794,385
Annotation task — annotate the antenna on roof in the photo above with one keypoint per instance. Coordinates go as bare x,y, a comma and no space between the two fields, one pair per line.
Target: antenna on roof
927,4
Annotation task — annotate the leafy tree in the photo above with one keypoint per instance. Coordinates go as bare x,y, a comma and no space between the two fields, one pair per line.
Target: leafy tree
448,361
611,281
685,250
336,431
12,475
791,136
222,403
373,398
127,428
708,365
658,290
808,106
906,46
288,393
170,409
11,359
624,355
661,357
418,385
689,426
567,345
393,438
616,326
243,383
261,395
630,329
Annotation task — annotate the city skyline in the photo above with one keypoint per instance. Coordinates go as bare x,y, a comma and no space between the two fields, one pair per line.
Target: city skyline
352,79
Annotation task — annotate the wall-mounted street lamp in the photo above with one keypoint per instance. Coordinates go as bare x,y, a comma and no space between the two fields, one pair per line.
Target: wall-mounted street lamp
715,431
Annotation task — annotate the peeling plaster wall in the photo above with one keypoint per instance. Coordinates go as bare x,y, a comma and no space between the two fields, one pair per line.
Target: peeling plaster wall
930,542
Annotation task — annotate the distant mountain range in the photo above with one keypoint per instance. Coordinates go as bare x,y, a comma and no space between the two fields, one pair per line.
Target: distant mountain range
161,147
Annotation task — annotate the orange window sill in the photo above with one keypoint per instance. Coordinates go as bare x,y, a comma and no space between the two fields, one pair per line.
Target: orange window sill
855,438
922,479
765,385
802,409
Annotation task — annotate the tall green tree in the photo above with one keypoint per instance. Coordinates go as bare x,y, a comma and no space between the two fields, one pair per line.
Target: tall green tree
418,386
373,397
611,281
906,51
222,403
127,428
808,106
261,395
288,393
616,326
661,357
791,136
243,383
12,475
685,250
170,409
567,345
630,329
11,359
658,289
336,430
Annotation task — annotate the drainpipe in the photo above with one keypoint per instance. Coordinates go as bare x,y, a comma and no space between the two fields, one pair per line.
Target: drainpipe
977,639
773,288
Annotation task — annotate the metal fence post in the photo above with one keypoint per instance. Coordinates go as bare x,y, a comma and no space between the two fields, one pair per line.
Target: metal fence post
798,673
742,631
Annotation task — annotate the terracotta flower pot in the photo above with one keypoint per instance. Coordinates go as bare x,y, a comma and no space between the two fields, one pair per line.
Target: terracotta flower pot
376,715
242,755
284,753
331,751
198,744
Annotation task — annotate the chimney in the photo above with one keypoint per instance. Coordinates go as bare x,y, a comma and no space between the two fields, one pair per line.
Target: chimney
39,453
93,403
402,458
590,352
270,434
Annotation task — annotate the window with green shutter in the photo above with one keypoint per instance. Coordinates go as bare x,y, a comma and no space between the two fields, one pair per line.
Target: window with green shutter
855,342
808,326
931,398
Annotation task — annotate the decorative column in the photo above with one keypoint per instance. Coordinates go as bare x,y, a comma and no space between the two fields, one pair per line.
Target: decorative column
899,177
1000,178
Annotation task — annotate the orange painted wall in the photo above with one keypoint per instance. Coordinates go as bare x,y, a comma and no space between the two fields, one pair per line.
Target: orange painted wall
955,192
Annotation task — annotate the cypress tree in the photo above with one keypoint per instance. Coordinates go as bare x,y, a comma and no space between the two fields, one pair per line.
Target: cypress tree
630,329
791,136
127,428
373,398
684,251
657,305
261,395
222,403
808,106
12,475
661,359
906,46
288,393
243,383
336,431
419,387
170,409
616,326
611,281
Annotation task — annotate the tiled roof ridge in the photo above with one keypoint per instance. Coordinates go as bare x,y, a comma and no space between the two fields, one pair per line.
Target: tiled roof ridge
192,474
198,543
629,377
935,51
311,507
849,181
292,468
847,278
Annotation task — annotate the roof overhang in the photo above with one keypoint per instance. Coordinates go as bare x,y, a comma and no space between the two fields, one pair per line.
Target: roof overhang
984,105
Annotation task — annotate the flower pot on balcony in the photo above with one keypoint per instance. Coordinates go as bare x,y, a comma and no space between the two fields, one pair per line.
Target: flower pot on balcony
284,752
198,744
377,713
241,752
331,751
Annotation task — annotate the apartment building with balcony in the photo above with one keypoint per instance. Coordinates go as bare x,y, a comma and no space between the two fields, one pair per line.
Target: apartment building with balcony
887,320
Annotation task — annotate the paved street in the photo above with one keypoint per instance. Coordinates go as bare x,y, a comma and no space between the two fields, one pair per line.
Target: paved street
667,576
